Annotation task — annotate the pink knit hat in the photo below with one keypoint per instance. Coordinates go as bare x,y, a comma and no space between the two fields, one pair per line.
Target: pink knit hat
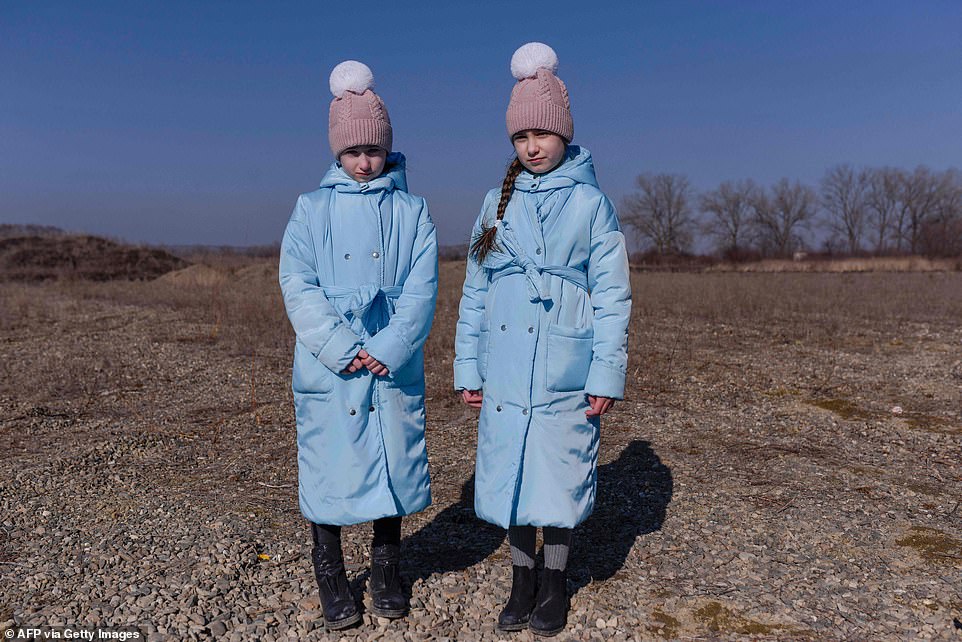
358,115
540,99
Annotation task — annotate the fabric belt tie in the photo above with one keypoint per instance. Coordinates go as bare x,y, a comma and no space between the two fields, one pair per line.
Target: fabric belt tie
537,288
363,297
521,263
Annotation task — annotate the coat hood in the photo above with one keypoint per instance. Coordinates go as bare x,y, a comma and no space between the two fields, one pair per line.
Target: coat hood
576,168
393,177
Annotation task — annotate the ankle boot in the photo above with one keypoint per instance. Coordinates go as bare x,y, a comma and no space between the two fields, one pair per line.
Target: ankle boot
387,598
337,601
516,612
550,614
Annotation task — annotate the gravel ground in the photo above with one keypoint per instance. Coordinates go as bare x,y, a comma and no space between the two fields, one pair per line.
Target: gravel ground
773,474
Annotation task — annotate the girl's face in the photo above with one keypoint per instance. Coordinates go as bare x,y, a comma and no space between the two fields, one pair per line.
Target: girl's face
364,163
539,151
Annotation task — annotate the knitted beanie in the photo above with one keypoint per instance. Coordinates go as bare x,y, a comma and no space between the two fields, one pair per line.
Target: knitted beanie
358,115
539,100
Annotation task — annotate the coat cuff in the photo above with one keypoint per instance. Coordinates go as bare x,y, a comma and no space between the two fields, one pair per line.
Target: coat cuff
389,348
466,375
605,381
340,349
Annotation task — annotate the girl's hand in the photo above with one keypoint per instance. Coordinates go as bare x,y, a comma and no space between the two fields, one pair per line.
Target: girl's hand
372,364
599,405
472,397
354,366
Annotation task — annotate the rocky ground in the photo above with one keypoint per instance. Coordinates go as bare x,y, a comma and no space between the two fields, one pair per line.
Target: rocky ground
786,466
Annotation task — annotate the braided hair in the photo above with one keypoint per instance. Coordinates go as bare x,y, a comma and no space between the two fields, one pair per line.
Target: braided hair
485,241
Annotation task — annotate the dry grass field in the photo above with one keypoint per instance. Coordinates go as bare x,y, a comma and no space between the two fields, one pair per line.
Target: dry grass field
786,465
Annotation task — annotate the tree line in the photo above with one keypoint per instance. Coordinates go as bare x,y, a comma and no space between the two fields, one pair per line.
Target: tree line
855,211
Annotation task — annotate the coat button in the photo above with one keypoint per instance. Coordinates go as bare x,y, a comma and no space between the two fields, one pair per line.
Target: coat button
538,251
352,411
524,412
504,327
530,329
498,408
347,257
370,409
376,255
364,186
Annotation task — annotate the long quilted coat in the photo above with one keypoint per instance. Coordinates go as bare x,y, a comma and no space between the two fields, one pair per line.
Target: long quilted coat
358,268
543,323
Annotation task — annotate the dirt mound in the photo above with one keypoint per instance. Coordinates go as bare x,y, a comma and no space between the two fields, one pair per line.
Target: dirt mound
195,275
257,273
11,230
39,258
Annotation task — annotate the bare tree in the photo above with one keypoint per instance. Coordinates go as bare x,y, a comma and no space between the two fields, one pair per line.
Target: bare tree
781,215
660,212
919,196
883,204
843,197
729,214
942,228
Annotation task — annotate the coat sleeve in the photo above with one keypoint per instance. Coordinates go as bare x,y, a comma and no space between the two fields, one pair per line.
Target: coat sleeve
316,323
473,295
408,329
608,282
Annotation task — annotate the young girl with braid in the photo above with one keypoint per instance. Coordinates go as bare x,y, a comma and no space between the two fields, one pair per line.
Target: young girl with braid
541,344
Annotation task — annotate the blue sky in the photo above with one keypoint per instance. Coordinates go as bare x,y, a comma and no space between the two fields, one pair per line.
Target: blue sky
202,122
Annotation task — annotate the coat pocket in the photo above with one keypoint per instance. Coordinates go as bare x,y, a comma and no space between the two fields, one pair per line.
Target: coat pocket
310,376
484,341
568,352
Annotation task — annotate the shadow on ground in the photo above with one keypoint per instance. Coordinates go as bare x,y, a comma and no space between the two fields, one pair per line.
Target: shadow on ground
453,541
633,495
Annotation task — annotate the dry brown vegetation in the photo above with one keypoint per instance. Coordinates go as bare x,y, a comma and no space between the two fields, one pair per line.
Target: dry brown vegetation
785,463
866,264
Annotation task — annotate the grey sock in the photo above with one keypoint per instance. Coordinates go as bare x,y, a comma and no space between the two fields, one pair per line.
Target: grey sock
522,539
557,542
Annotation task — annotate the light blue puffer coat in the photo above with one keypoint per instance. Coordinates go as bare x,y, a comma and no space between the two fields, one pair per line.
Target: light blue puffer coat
533,338
359,268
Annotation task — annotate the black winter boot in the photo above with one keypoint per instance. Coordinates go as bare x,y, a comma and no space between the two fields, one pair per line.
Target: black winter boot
550,614
387,598
337,601
524,583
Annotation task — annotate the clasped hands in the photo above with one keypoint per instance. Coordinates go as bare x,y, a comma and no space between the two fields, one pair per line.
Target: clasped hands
364,360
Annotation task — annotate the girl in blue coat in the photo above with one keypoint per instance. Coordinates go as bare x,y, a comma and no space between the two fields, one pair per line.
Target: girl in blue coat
358,270
541,339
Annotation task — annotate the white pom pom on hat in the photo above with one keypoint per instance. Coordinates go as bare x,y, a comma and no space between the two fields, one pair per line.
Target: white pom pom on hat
539,100
358,116
352,76
529,58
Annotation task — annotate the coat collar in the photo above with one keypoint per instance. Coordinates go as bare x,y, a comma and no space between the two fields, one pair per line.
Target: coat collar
576,168
394,177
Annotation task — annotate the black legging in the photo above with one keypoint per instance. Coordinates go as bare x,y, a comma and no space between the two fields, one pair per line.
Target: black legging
387,530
